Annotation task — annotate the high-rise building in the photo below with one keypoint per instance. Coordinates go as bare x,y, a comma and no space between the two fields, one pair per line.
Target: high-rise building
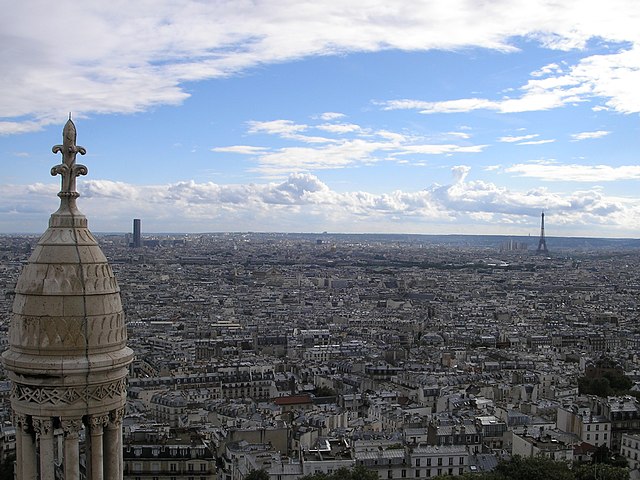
67,355
137,233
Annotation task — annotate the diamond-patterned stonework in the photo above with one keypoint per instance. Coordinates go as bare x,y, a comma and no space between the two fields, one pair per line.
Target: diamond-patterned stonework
69,396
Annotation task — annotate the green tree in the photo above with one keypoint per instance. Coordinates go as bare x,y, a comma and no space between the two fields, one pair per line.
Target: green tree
261,474
6,468
594,386
356,473
619,382
325,392
601,470
533,468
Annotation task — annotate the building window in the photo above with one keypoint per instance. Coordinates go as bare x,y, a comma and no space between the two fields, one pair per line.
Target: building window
172,467
418,473
404,473
417,462
428,462
439,462
450,460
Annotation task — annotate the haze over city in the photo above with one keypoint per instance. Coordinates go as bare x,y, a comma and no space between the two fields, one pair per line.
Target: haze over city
447,117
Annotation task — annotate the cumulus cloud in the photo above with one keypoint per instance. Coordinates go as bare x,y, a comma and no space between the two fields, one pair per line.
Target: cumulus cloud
305,201
89,57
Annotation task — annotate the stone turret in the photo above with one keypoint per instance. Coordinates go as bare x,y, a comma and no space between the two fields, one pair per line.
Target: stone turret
67,355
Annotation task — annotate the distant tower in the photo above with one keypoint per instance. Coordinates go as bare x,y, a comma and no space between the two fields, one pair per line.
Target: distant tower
67,355
542,244
137,234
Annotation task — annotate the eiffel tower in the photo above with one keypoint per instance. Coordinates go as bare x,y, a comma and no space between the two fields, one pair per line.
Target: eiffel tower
542,244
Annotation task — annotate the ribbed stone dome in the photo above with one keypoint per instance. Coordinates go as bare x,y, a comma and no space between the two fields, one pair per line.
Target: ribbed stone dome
67,339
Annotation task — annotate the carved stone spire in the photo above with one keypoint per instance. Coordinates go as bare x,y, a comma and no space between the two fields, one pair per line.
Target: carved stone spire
67,356
68,169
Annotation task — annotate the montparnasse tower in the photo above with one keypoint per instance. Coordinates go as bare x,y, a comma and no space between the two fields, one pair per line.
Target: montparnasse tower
67,356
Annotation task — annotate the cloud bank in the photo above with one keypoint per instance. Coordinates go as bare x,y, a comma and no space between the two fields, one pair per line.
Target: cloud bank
302,202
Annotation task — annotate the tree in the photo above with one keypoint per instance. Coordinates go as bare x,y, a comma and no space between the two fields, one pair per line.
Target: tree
261,474
601,470
356,473
6,468
533,468
594,386
619,382
323,391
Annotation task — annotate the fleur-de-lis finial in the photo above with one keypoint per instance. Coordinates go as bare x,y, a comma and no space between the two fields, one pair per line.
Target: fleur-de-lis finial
68,169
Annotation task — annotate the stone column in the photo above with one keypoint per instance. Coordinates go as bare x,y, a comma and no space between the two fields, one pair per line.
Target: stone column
44,428
71,427
19,421
96,428
28,450
113,468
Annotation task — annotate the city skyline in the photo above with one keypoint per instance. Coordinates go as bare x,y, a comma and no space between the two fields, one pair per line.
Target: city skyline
367,118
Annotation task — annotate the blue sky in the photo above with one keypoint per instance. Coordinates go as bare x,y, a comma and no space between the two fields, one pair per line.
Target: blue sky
435,117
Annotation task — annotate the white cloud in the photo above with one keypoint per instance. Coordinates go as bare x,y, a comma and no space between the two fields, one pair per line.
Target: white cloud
125,57
438,149
339,127
304,200
459,134
518,138
285,129
608,78
575,173
363,147
589,135
547,70
537,142
241,149
448,106
328,116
